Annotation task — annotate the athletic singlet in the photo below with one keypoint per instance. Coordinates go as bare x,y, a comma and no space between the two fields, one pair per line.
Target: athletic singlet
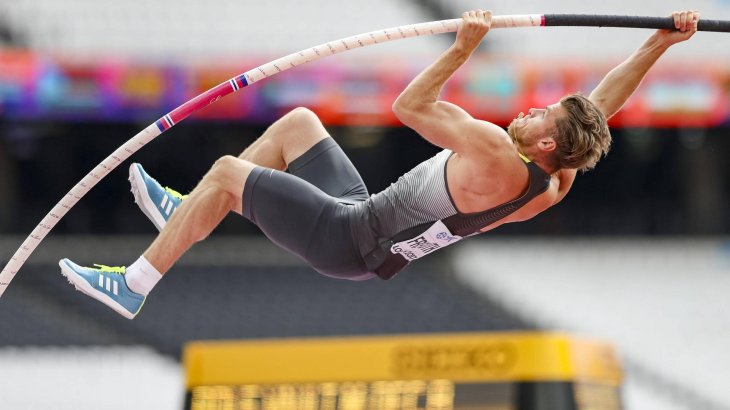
416,216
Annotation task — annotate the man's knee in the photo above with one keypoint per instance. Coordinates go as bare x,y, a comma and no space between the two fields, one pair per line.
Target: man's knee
305,130
303,116
229,174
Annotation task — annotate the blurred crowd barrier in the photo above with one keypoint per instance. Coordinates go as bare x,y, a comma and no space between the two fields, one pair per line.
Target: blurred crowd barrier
89,378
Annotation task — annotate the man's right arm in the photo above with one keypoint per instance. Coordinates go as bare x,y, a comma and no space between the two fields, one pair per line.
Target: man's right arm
418,106
621,82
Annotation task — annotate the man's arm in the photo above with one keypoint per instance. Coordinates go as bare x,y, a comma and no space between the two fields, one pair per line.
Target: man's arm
441,123
621,82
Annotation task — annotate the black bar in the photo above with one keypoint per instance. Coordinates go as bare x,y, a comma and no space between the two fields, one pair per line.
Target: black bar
591,20
543,395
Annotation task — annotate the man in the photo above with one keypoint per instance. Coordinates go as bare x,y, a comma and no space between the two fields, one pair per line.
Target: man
320,209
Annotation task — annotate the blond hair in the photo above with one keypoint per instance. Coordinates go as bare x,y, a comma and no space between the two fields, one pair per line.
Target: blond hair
582,136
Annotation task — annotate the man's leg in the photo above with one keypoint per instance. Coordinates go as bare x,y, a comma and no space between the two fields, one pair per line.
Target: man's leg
283,142
286,140
125,290
219,192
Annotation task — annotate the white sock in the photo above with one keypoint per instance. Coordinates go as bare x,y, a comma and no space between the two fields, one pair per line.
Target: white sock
141,276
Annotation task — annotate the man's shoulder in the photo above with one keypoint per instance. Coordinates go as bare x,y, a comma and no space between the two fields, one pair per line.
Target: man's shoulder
490,145
490,129
487,138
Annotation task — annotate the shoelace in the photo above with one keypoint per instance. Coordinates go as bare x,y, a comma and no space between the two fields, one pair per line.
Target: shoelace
113,269
175,194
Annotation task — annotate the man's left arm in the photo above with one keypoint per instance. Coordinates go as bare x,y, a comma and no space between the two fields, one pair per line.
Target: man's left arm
621,82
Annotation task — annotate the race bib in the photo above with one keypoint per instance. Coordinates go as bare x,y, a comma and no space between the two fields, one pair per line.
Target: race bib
436,237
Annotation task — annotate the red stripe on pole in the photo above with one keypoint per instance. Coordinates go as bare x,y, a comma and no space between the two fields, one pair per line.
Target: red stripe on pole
202,100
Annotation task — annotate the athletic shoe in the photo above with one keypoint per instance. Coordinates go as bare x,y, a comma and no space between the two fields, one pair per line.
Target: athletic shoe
105,284
156,201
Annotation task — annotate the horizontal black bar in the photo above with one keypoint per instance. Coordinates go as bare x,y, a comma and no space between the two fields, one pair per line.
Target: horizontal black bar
590,20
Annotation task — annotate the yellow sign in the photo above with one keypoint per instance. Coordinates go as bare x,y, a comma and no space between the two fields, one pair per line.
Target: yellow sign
459,357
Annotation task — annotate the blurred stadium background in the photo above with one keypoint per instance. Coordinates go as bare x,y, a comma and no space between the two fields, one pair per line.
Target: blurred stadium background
637,255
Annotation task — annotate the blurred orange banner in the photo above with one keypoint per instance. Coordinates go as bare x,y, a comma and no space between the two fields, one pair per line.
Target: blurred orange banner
344,92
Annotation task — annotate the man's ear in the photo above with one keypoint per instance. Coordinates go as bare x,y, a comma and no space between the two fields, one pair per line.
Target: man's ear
547,144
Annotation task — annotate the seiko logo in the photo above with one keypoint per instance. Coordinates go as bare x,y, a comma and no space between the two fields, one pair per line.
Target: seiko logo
452,360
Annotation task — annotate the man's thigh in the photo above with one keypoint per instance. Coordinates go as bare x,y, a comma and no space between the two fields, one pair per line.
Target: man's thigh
304,220
327,167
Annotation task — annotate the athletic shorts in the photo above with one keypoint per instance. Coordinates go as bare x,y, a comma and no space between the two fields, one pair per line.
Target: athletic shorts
306,210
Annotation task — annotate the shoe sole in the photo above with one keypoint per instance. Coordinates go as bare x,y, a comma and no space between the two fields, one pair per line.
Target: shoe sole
142,198
84,287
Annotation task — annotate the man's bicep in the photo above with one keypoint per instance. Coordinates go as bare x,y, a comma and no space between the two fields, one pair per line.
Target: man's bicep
442,123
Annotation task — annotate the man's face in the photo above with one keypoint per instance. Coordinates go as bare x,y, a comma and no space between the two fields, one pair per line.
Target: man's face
527,130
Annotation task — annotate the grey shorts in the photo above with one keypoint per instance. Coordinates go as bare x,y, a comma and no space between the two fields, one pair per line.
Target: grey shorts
306,210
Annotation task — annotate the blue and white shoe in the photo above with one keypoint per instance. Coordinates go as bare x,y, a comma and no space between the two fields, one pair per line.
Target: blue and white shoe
156,201
105,284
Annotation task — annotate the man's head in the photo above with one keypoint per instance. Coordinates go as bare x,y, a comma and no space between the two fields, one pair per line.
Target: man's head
570,134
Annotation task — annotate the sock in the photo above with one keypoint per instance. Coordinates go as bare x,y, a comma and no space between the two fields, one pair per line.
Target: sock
141,276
